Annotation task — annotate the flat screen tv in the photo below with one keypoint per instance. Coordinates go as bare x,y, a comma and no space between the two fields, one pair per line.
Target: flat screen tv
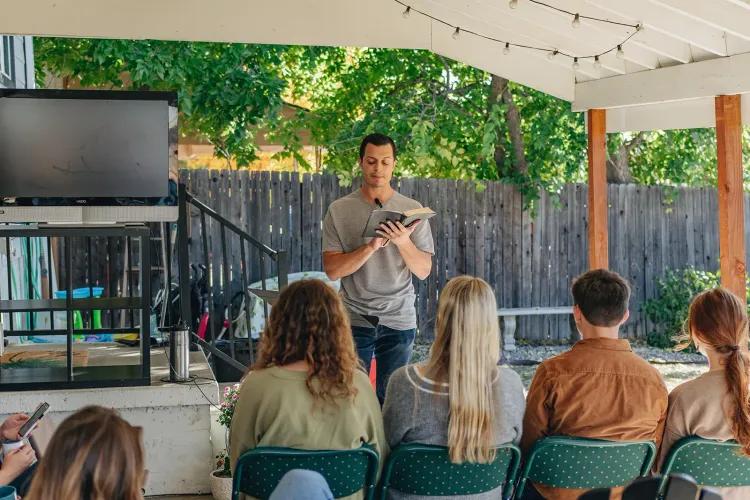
81,156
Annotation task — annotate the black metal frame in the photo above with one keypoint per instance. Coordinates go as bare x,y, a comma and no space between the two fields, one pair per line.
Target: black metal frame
81,377
187,201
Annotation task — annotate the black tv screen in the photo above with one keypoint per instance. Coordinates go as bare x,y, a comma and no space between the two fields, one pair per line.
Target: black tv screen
86,145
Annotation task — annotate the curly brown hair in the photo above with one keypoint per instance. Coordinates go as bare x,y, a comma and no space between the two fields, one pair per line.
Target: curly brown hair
309,322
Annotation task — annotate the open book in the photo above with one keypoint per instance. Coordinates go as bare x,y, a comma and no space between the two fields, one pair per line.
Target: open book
406,218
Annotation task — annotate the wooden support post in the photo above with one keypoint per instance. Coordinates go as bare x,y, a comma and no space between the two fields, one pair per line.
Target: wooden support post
597,152
731,202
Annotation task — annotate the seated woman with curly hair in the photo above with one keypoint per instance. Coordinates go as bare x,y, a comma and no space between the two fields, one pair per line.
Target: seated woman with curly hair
306,390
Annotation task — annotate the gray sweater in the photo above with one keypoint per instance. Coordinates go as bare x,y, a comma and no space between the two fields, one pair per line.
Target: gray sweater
416,411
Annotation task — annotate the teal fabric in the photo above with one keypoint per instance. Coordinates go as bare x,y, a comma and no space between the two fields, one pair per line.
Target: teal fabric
710,463
258,471
569,462
420,469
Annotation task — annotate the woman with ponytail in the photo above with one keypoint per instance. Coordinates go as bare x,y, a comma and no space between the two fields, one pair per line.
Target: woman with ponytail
715,405
459,397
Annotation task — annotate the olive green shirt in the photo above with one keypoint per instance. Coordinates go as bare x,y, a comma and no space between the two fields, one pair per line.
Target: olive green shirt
275,408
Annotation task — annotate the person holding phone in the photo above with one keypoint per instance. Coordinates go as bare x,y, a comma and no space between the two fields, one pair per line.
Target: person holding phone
18,465
376,277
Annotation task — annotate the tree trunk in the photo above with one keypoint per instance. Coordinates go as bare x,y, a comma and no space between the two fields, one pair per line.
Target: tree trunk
513,118
514,128
618,165
496,91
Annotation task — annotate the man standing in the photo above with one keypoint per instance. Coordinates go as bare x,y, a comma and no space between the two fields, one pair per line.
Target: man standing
376,273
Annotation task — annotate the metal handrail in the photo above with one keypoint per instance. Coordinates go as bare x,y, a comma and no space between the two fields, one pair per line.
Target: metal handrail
281,258
228,224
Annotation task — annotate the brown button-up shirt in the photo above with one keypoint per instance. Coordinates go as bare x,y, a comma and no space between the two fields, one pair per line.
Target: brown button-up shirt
598,389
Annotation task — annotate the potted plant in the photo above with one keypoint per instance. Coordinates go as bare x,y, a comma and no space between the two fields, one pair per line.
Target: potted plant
221,478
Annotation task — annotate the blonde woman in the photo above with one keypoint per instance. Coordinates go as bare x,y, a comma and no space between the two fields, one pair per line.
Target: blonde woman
459,397
94,455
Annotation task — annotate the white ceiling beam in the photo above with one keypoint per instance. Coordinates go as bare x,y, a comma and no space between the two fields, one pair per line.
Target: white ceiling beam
665,20
693,113
497,23
331,23
653,40
546,23
727,75
515,66
596,34
303,22
725,16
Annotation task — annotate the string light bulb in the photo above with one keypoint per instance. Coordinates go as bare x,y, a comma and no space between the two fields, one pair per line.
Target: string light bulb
552,54
406,12
456,33
597,63
576,21
620,53
506,49
513,4
575,64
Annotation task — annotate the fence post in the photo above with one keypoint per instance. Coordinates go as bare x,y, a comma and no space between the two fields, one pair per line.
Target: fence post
183,259
282,266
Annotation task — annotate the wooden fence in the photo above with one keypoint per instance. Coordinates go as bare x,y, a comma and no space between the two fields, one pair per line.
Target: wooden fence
528,261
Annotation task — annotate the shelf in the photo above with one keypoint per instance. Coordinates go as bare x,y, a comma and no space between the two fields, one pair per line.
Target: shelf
45,378
26,305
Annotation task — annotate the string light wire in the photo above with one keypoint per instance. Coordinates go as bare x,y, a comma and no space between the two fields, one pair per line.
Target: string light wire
507,44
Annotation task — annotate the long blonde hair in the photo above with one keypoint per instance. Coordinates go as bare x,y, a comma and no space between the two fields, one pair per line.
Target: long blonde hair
718,319
94,455
465,355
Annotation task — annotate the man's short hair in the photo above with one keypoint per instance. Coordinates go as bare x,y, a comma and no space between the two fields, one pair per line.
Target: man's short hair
377,140
602,296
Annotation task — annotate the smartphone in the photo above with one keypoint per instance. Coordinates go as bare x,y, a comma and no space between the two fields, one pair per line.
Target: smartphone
38,414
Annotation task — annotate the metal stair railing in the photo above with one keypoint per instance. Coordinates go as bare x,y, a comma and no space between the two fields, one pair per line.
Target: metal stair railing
227,228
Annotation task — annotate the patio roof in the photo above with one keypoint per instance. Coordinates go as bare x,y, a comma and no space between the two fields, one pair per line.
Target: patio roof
687,52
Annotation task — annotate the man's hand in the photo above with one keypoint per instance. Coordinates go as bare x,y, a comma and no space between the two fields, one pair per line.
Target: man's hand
11,426
376,243
397,232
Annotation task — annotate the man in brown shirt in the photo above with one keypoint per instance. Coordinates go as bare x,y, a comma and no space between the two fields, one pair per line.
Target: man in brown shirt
599,388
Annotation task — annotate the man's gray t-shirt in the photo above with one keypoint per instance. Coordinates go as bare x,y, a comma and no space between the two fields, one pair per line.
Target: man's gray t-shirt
382,287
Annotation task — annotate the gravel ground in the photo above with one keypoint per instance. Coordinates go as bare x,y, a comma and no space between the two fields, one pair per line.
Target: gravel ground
675,367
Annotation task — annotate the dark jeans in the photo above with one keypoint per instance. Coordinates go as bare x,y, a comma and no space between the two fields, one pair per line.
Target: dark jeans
392,349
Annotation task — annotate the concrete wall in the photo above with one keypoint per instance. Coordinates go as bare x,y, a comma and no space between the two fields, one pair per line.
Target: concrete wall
176,421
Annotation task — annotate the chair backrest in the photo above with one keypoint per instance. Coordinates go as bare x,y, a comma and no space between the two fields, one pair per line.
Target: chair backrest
570,462
259,470
710,463
426,470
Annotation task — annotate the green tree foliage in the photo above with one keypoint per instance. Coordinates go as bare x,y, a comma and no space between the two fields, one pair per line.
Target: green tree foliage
447,118
440,112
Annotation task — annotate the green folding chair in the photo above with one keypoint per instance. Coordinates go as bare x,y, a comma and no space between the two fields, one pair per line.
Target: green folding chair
259,470
710,463
421,469
570,462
